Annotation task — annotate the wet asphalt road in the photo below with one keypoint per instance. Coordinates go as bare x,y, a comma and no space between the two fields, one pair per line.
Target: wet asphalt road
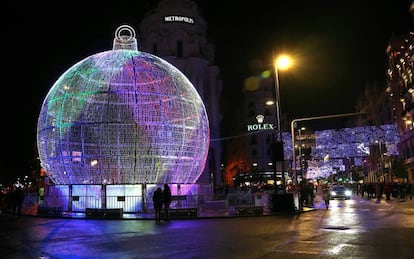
354,228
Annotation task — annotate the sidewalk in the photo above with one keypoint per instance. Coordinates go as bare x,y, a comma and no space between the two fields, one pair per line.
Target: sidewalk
393,201
318,204
201,214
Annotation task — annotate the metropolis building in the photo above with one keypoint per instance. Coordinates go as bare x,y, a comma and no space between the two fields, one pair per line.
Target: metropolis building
176,31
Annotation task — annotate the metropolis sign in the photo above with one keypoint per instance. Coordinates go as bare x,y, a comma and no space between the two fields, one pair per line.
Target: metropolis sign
178,18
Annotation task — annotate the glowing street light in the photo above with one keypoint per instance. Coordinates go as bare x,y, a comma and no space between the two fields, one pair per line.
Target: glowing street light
283,62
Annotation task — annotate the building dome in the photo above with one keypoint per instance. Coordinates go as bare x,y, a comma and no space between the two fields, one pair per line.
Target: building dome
120,117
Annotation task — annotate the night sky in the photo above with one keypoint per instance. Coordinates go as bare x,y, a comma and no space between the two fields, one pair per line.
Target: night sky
339,46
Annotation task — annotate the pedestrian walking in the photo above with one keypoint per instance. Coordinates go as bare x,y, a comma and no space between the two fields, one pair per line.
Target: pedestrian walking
157,201
166,199
378,192
17,198
326,196
387,190
410,190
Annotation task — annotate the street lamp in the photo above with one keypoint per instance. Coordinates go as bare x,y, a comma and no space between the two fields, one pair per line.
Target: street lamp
381,157
282,62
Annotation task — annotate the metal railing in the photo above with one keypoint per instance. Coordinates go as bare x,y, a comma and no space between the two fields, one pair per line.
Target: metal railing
139,204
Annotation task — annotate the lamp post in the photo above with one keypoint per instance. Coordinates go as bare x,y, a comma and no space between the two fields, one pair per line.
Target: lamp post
281,62
381,157
300,149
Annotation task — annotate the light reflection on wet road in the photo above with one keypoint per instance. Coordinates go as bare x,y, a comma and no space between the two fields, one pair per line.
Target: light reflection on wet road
349,228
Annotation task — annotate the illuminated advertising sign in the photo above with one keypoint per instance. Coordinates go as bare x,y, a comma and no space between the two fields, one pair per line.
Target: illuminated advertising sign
262,126
178,18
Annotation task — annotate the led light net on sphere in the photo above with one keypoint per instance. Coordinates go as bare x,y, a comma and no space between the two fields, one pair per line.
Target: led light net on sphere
123,116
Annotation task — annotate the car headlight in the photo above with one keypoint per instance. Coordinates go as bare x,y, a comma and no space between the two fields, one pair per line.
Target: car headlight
348,193
333,193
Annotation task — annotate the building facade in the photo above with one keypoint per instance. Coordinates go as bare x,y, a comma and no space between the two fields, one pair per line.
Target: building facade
400,90
395,103
176,31
261,123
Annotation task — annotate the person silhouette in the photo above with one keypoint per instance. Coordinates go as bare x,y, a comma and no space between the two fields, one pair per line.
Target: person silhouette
157,201
17,198
166,199
326,195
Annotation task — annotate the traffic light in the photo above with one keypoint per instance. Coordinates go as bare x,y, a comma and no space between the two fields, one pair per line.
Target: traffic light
277,151
377,150
306,152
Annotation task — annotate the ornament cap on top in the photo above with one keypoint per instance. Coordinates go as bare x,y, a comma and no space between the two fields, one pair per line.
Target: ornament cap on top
125,38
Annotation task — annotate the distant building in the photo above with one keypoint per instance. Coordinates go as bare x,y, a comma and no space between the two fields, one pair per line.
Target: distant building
374,102
260,120
400,90
396,103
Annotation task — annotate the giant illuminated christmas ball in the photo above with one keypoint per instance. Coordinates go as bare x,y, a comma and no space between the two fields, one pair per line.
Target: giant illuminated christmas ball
123,116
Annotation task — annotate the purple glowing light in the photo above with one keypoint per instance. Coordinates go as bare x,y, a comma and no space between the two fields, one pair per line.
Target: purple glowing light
123,117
